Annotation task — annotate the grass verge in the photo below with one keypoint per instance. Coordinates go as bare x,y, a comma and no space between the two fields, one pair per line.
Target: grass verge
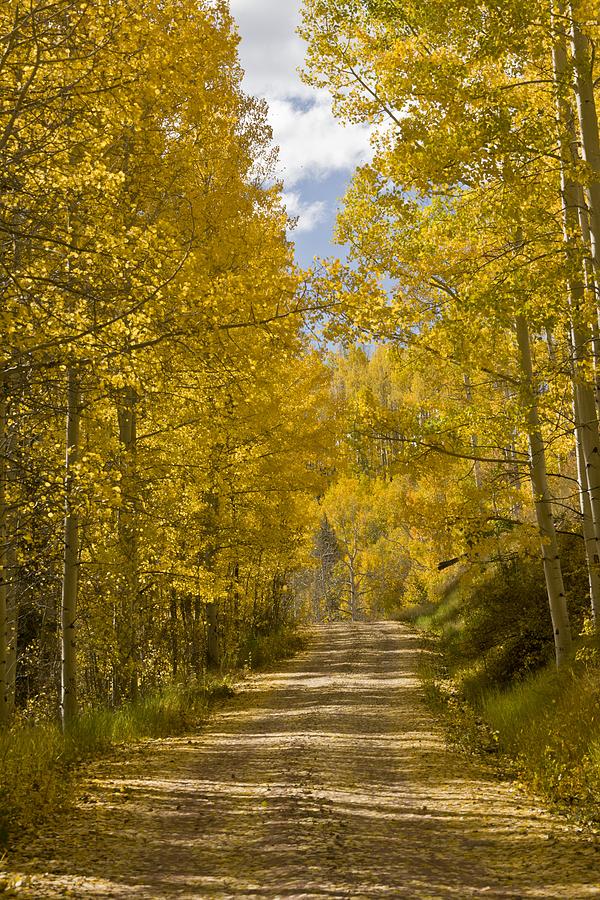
38,761
541,728
261,651
549,724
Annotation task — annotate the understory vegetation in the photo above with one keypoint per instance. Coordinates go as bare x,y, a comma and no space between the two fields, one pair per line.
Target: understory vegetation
488,667
38,760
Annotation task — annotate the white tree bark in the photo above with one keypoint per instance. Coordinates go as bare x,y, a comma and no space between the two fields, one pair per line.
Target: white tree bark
8,566
12,569
212,635
213,649
589,532
352,584
474,439
12,611
586,425
543,503
588,129
4,538
574,226
128,637
69,705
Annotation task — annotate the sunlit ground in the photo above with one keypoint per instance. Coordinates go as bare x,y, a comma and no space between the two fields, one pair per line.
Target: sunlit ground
328,779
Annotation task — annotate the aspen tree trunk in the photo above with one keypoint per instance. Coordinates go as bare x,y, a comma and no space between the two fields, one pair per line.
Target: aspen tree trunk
4,538
69,705
196,654
213,650
212,636
589,533
9,520
234,594
352,584
577,207
543,504
352,594
12,581
586,421
8,558
588,127
583,216
586,425
474,440
12,603
589,139
127,679
588,445
174,626
591,285
596,338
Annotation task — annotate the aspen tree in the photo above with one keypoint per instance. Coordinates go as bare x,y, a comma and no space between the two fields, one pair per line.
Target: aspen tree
169,276
4,539
69,703
543,503
126,680
8,561
586,421
589,532
588,127
213,648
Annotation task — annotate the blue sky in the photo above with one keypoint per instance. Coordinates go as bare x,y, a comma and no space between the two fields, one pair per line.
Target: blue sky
317,153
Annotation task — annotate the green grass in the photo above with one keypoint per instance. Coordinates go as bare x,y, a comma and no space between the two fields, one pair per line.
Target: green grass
443,618
550,725
466,726
543,727
260,651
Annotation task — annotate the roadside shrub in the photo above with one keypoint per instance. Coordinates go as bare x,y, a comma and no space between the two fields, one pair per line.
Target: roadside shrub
260,650
494,677
494,627
550,724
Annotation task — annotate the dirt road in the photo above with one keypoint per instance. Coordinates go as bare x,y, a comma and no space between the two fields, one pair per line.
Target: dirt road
329,779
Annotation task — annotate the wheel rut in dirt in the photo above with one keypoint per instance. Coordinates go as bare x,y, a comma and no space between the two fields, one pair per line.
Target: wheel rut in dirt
327,779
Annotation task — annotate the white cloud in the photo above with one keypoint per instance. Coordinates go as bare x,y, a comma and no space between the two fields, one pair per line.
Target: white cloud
312,143
271,51
309,215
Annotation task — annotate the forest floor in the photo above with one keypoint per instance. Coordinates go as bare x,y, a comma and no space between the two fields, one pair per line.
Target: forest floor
328,779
